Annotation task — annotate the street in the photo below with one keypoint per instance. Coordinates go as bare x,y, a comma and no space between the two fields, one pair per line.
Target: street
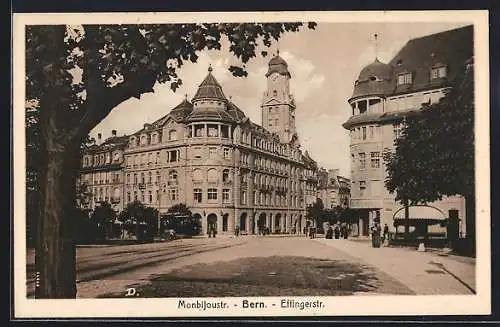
261,266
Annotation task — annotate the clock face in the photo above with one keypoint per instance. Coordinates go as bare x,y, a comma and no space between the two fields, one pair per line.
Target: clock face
274,77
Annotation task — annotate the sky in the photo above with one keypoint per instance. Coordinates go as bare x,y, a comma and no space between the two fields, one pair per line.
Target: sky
324,63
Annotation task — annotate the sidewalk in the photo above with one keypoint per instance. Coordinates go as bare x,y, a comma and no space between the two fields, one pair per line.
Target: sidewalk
426,273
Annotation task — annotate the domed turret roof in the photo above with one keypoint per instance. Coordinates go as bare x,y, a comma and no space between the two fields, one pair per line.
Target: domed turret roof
376,69
278,65
209,89
374,79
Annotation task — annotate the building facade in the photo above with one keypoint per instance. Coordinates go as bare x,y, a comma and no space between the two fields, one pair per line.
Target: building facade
101,175
383,94
232,173
333,190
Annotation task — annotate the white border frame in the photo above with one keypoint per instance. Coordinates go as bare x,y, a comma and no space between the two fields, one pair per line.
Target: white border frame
350,305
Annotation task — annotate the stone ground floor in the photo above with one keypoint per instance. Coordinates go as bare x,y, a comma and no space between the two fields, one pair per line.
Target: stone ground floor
250,221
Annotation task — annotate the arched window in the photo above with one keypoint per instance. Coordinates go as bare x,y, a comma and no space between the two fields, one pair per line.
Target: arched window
225,175
212,175
172,177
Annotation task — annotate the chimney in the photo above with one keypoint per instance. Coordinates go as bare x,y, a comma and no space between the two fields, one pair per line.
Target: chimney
99,138
113,132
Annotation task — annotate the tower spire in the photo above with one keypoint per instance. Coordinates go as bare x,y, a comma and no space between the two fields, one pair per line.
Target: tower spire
209,68
376,46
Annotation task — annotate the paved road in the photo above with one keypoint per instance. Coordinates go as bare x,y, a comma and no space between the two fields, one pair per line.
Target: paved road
244,266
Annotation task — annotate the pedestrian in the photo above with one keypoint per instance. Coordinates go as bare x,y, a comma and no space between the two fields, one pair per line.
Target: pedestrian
346,232
337,231
376,235
386,233
329,233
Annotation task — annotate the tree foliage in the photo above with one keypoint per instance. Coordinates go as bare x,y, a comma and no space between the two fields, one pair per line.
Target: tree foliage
145,219
435,155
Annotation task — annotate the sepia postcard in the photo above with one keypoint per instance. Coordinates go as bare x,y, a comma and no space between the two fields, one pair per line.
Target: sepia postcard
249,164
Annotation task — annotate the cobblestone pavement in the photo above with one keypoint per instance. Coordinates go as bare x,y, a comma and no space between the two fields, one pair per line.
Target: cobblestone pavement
426,273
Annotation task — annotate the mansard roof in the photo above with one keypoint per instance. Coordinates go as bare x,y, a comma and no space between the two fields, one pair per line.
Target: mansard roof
418,56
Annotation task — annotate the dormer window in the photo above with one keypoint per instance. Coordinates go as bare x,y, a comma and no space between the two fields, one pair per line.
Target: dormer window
438,71
405,78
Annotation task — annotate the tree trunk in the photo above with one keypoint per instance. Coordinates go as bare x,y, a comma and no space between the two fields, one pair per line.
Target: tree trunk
407,219
55,255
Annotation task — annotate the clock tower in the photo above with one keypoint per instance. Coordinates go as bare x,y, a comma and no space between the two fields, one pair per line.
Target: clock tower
278,106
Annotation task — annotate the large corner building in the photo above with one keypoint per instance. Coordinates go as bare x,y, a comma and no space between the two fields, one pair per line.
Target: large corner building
383,94
231,172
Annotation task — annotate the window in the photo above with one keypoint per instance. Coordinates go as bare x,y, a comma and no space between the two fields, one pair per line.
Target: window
243,197
371,132
362,106
364,133
225,195
172,178
255,197
128,179
172,194
150,178
362,188
128,197
197,195
404,78
224,131
157,160
362,160
172,135
212,175
174,156
225,175
150,197
199,130
375,159
226,153
197,175
212,153
143,178
275,93
158,178
135,178
438,72
212,194
213,131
